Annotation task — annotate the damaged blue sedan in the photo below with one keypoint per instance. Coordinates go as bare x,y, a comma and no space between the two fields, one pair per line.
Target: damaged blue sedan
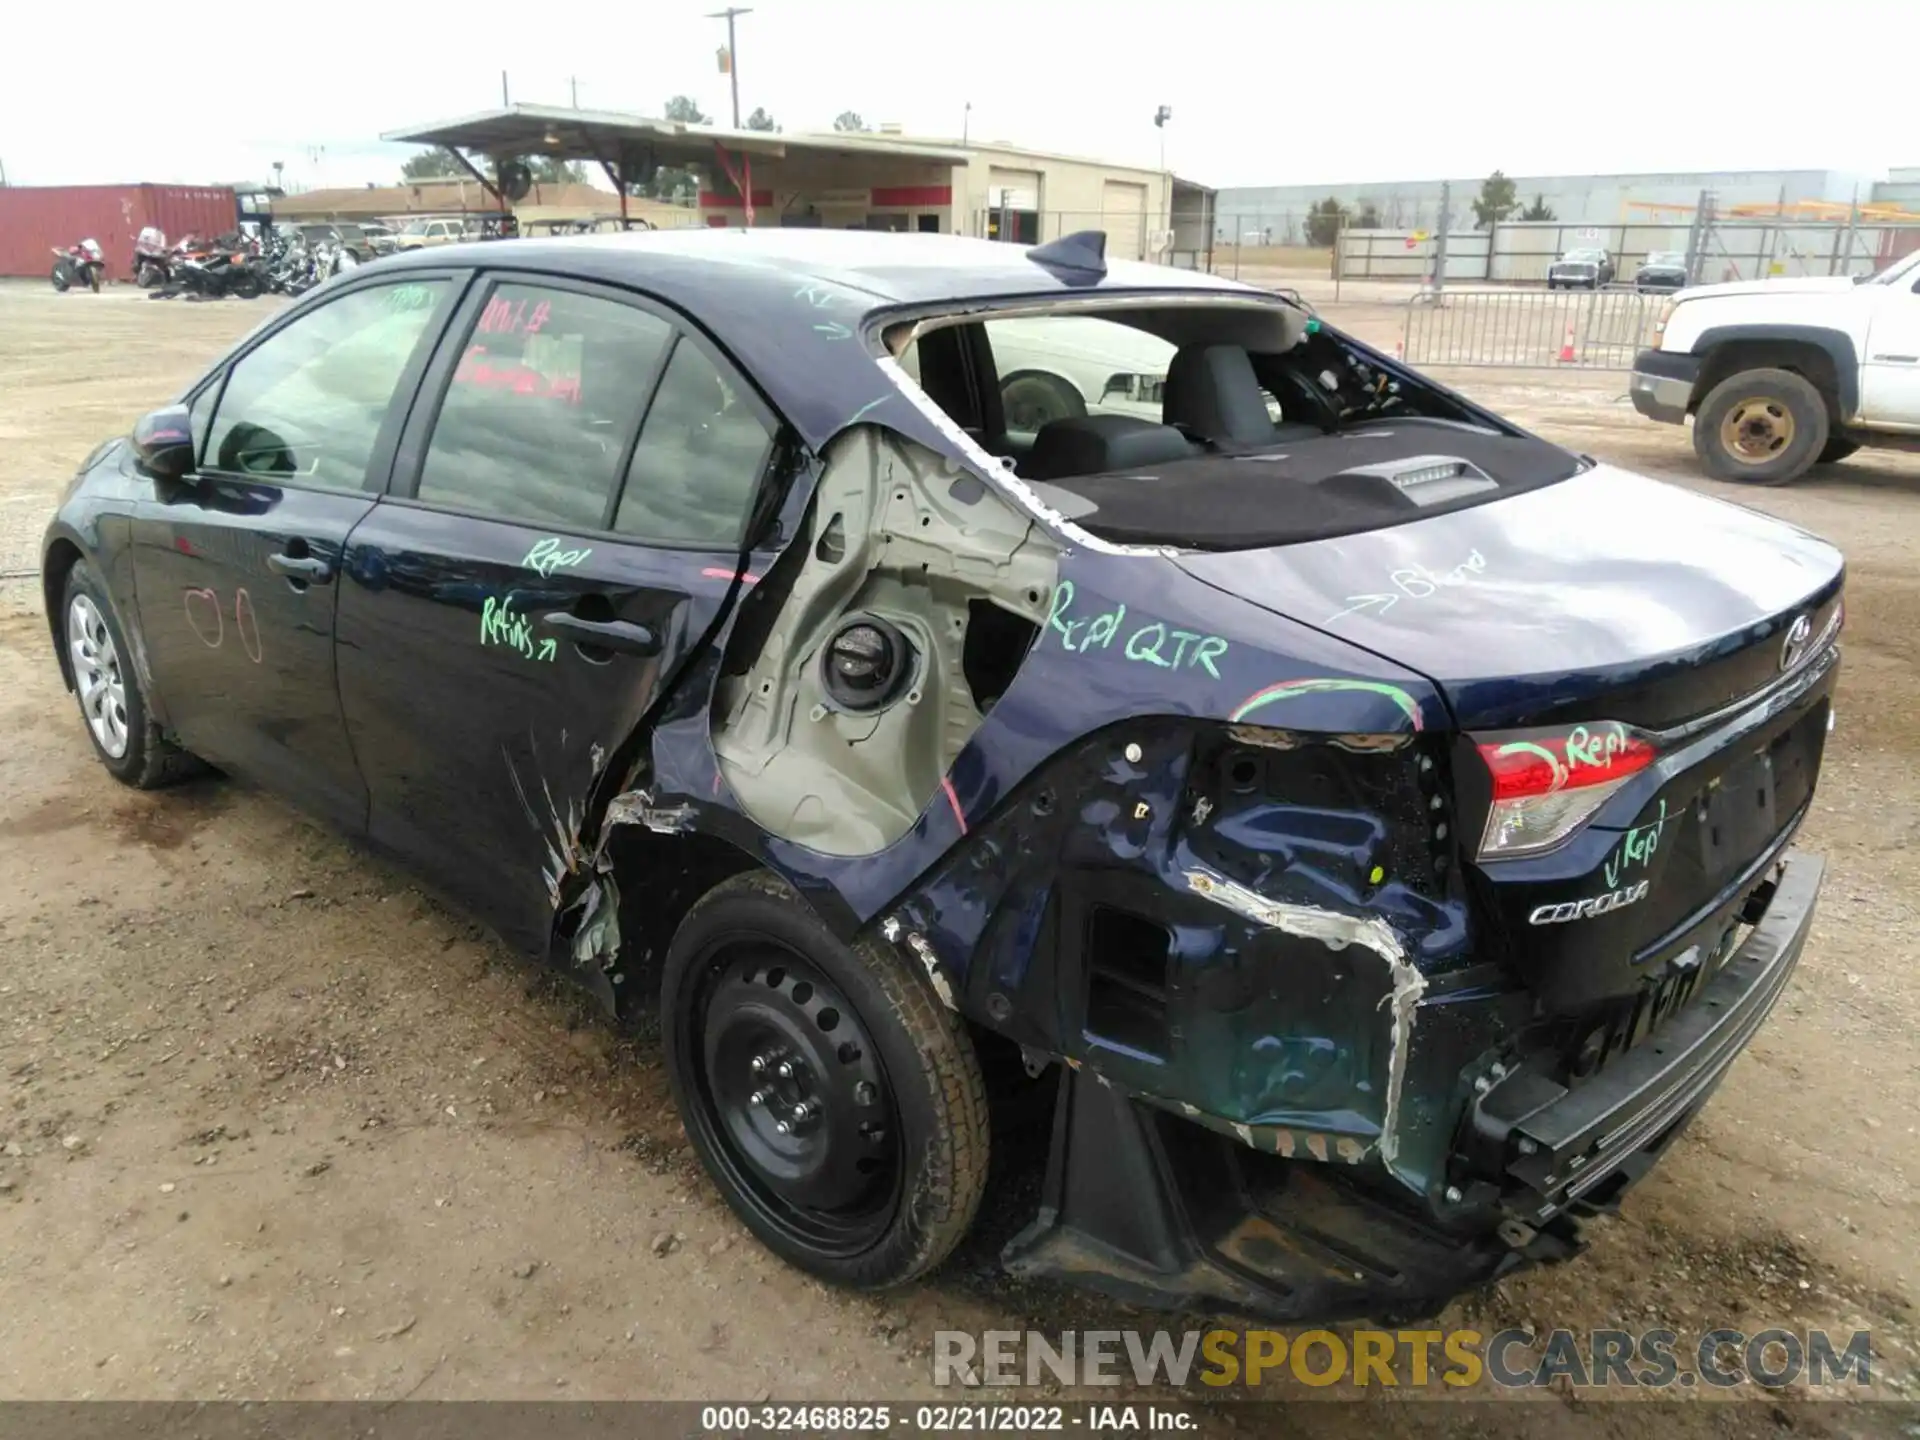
1372,819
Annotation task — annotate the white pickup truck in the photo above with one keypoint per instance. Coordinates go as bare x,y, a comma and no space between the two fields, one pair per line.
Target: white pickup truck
1779,375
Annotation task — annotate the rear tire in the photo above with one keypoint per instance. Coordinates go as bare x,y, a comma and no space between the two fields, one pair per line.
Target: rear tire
1032,399
112,705
1837,450
837,1104
1760,427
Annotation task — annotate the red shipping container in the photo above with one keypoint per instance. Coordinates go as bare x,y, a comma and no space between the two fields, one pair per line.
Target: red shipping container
35,218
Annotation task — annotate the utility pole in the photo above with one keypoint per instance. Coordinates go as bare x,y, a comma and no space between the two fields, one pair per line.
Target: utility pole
966,123
733,54
1160,118
504,102
573,84
1440,240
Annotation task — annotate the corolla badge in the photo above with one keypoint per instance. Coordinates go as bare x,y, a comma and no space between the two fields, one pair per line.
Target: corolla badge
1795,645
1588,908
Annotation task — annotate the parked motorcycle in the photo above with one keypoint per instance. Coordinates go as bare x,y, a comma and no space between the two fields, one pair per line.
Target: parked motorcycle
82,264
225,269
152,261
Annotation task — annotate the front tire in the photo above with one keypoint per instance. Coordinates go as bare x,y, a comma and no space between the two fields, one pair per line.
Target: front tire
837,1104
1761,427
124,736
62,276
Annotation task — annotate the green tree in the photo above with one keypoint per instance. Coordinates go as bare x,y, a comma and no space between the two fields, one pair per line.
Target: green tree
1369,218
434,164
1496,202
1324,221
684,110
1538,210
760,120
549,171
674,184
849,120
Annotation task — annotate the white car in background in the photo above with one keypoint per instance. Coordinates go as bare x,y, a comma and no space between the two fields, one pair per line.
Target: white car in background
1056,366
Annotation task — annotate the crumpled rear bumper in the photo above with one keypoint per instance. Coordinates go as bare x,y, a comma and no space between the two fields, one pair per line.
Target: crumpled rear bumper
1561,1147
1154,1209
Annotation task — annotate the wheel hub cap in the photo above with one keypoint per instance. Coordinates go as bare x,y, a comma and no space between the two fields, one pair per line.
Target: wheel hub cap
1757,430
96,675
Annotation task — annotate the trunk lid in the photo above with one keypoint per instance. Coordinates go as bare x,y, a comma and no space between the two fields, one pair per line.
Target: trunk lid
1606,597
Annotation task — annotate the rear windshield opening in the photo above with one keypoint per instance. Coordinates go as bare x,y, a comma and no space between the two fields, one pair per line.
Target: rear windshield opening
1217,427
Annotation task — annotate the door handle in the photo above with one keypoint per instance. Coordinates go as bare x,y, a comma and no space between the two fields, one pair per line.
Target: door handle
306,569
619,635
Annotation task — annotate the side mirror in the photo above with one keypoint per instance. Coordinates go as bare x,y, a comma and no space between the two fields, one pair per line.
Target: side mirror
163,443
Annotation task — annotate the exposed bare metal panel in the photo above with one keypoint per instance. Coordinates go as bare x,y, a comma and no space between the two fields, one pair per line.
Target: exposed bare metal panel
906,536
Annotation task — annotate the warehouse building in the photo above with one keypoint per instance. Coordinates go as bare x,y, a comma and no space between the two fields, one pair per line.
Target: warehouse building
1276,214
870,181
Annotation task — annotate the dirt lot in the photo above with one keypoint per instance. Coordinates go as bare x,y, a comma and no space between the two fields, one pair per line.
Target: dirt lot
275,1123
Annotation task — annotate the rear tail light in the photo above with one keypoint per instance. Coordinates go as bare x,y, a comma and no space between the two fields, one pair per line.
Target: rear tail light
1548,783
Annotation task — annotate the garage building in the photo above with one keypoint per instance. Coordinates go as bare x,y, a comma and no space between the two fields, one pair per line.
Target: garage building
855,180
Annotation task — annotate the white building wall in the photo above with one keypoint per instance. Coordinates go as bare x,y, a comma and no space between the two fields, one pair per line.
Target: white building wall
1276,214
1129,203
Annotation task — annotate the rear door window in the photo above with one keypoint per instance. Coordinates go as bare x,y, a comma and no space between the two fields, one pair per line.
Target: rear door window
542,407
701,455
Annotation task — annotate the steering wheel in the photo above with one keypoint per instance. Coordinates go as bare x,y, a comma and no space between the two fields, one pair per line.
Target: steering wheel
250,449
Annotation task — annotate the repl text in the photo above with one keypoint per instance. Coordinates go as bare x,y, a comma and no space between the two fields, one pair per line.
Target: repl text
1153,643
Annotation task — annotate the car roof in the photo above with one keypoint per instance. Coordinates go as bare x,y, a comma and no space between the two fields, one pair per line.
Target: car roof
891,267
789,304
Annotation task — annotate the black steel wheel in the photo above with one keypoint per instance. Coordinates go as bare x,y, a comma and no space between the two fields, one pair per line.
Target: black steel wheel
836,1103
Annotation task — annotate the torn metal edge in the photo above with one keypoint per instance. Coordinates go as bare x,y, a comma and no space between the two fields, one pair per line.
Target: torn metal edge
636,807
1338,931
1001,478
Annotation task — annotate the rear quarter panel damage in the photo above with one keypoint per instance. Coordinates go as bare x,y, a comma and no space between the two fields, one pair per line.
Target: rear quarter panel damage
1261,801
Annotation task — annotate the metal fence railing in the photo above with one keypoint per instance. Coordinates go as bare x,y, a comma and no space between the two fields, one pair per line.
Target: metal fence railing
1714,249
1580,329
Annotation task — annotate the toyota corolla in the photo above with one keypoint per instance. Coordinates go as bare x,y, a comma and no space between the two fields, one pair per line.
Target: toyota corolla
1373,820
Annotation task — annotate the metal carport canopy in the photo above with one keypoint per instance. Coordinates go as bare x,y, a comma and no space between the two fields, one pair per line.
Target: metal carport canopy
627,146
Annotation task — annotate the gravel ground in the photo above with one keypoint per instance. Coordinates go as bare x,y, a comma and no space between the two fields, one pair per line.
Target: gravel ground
275,1123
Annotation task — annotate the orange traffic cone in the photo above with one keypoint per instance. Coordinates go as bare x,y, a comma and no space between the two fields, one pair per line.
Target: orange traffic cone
1566,345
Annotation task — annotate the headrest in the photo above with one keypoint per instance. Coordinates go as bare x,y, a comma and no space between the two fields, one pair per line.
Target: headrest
1212,392
1099,444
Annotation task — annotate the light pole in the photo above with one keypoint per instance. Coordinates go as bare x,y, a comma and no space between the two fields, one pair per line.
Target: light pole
1160,119
733,54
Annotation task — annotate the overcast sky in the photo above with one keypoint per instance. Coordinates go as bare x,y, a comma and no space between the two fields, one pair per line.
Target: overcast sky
1263,91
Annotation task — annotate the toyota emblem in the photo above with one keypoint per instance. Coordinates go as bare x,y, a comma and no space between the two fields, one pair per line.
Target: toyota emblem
1794,648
